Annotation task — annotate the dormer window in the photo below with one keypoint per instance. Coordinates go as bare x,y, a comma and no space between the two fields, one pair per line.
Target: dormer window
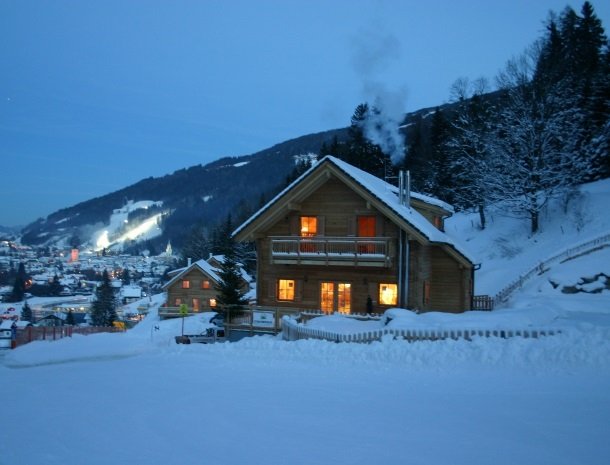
438,223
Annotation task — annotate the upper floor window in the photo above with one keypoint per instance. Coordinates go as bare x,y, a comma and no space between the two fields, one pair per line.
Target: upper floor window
438,222
285,289
205,284
186,284
309,226
367,226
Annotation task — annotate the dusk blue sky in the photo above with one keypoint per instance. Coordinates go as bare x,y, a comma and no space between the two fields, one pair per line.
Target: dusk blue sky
97,95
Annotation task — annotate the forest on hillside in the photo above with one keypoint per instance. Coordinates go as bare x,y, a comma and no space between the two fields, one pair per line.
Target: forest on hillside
542,129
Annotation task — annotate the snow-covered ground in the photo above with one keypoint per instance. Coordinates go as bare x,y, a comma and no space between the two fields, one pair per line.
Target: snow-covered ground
139,398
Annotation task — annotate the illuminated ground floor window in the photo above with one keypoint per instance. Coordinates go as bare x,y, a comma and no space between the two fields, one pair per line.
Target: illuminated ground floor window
285,289
335,297
388,294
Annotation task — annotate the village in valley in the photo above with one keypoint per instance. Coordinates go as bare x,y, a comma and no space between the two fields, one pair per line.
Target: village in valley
66,281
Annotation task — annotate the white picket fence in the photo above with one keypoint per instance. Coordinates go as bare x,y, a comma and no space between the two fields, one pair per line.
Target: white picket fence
293,331
541,267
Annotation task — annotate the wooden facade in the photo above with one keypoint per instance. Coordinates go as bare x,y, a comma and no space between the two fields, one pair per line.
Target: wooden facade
328,243
195,287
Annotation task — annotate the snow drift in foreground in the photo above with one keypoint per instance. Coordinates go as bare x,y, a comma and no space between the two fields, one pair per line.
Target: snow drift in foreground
139,398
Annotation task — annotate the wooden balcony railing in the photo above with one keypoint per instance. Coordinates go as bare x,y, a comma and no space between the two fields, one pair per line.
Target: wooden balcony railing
356,251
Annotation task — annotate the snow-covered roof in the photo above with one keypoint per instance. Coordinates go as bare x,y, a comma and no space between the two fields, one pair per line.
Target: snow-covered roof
387,194
203,265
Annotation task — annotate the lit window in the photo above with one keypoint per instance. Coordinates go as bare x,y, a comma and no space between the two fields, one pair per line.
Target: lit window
195,304
205,284
285,289
186,284
438,222
327,297
309,226
178,302
388,294
212,303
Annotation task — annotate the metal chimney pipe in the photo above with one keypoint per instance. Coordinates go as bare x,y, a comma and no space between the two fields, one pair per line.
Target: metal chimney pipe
408,189
400,186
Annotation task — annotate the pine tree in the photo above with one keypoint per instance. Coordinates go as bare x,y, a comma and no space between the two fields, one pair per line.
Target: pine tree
126,277
229,287
103,310
70,318
439,179
20,284
55,287
26,312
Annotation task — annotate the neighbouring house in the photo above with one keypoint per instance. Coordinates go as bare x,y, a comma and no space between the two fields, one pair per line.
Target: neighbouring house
130,293
195,286
339,239
56,319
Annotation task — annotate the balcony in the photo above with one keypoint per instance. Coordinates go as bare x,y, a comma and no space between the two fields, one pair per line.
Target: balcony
331,251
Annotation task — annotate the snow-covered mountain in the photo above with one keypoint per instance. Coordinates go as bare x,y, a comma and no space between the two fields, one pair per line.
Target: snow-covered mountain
178,201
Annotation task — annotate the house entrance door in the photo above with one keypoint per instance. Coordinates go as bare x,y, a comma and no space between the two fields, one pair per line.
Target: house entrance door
335,297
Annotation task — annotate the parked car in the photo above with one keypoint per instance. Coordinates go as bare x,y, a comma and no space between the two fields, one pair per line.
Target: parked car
209,336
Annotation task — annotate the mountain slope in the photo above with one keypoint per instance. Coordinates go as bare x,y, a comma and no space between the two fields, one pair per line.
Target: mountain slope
199,194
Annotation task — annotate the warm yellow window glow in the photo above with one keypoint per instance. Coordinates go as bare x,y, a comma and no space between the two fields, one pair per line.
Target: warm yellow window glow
186,284
309,226
388,294
327,297
335,296
344,297
212,303
285,289
205,284
195,304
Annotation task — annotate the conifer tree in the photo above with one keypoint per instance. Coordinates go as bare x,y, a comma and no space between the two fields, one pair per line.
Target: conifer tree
126,277
70,318
229,289
26,312
103,310
20,284
55,287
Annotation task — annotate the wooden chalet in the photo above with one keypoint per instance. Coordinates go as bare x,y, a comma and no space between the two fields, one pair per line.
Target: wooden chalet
338,237
195,286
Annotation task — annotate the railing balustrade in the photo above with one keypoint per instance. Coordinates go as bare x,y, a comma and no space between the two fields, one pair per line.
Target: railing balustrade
331,248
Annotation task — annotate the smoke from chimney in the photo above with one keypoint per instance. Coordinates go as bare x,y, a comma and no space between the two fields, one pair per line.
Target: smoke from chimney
373,53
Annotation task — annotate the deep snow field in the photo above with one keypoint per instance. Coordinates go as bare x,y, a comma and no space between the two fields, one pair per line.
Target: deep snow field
139,398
